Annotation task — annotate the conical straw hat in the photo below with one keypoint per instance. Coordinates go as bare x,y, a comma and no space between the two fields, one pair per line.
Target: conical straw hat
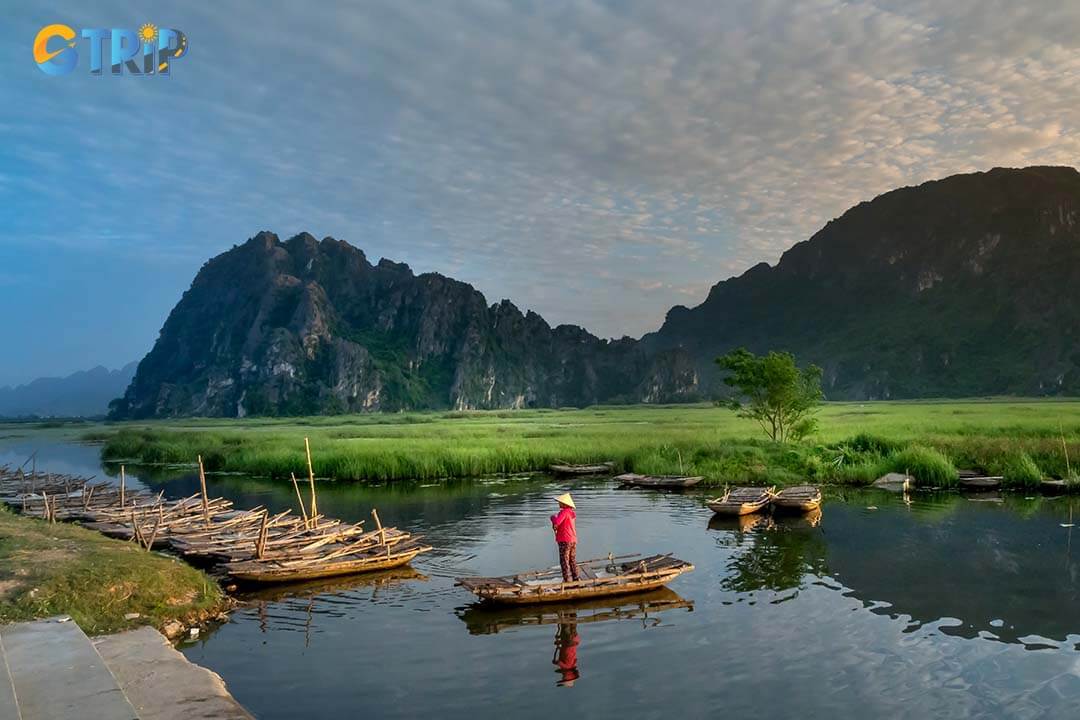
565,499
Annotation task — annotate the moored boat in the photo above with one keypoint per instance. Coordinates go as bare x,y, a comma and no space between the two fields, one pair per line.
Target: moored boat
598,578
742,501
799,498
980,482
291,569
669,482
484,618
572,469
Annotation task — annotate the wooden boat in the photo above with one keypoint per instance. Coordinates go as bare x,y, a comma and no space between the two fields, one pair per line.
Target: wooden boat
800,498
569,469
293,568
742,501
329,586
980,482
599,578
670,482
486,619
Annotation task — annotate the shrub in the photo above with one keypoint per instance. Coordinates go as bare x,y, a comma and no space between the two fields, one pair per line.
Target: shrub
867,443
1020,470
927,465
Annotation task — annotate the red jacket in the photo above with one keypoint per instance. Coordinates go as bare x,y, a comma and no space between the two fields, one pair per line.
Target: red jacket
564,525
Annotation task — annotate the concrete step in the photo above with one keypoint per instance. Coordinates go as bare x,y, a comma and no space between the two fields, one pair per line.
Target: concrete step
161,683
58,674
9,709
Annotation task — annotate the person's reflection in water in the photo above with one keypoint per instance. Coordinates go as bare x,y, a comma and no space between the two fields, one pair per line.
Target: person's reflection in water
565,658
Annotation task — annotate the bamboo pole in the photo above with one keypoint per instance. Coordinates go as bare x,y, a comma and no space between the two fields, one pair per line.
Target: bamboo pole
122,481
260,545
299,498
202,487
311,478
378,526
382,530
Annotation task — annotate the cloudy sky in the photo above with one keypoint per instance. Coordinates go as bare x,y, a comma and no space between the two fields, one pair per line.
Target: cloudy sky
596,161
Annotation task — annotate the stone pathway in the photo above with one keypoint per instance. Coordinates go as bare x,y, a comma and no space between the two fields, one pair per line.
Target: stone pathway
50,670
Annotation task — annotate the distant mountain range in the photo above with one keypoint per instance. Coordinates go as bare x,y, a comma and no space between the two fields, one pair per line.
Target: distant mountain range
958,287
82,394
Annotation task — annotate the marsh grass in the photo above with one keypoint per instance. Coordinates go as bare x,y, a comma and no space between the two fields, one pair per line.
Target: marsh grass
856,443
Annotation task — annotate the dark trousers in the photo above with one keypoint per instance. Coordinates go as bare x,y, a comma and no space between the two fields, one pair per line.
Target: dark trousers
568,561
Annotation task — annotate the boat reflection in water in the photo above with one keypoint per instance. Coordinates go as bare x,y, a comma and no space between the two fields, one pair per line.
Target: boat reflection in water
297,606
486,619
775,553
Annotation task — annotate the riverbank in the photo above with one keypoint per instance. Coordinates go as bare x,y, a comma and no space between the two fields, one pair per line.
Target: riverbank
105,585
1024,441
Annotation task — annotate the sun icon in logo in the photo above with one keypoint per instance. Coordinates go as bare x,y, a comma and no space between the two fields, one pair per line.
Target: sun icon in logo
148,33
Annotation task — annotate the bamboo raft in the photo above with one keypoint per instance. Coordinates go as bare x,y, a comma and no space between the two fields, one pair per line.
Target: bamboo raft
667,482
600,577
800,498
570,469
742,501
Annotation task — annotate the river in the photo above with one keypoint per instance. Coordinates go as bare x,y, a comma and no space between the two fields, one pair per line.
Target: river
926,605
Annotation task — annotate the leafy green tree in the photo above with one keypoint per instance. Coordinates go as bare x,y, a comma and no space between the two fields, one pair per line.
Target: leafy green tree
774,391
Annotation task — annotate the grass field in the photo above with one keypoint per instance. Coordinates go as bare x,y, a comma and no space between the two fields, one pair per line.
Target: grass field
50,569
857,442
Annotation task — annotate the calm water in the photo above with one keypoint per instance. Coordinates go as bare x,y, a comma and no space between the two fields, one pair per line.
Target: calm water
934,605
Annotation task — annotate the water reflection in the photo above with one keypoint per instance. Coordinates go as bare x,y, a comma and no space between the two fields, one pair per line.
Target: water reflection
565,658
305,606
486,619
775,553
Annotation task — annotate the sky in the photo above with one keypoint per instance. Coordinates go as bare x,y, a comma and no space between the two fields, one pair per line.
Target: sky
597,161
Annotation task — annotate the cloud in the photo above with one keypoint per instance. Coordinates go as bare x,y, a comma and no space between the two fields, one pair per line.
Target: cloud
595,161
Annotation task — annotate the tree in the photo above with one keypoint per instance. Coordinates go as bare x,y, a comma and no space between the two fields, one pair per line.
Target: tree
773,390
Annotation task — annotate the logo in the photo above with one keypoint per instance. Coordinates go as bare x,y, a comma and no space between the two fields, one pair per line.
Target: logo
150,50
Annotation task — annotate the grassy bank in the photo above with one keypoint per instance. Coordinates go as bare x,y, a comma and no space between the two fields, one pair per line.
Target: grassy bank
857,443
63,569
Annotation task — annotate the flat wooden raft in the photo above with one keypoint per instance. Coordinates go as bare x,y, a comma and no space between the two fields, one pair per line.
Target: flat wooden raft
569,469
742,501
659,481
799,498
599,578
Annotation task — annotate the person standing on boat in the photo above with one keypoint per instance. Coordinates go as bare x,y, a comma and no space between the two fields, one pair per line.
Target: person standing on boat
565,527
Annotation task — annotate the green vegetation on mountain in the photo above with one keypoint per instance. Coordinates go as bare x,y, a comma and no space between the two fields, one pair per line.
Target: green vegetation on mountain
961,287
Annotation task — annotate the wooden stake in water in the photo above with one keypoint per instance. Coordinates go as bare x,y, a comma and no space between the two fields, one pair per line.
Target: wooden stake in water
202,486
299,498
1068,467
122,479
311,479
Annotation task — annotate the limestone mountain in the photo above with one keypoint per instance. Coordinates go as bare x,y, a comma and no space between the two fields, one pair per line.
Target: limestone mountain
308,326
959,287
